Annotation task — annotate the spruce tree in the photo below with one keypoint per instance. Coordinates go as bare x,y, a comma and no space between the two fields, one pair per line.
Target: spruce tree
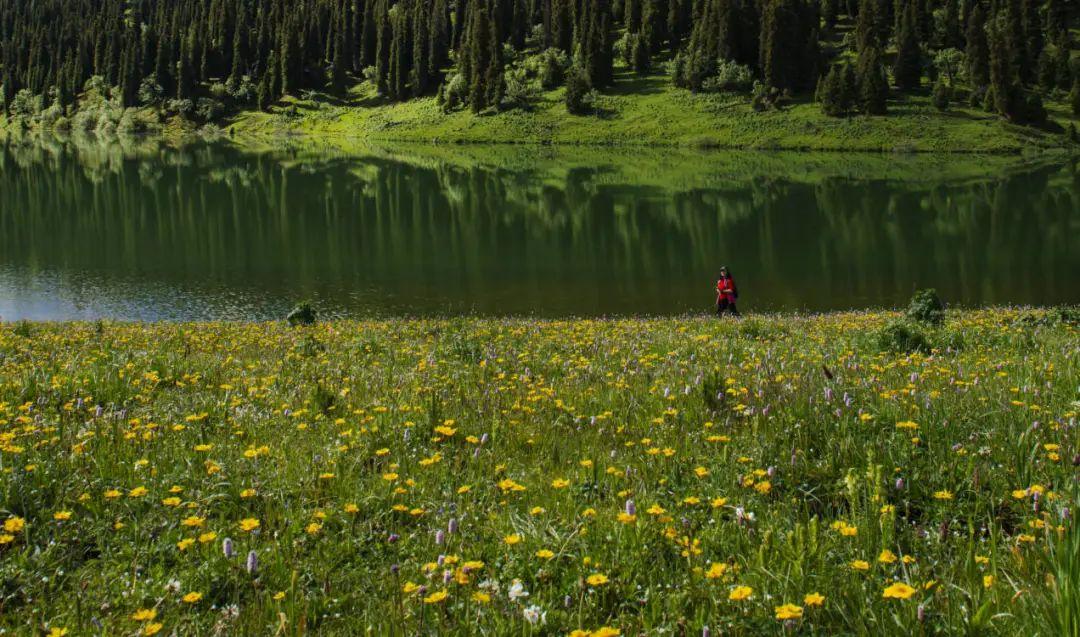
866,29
421,41
1033,35
654,24
836,96
907,68
337,65
632,15
951,36
873,88
1007,96
164,65
439,37
788,45
851,86
185,77
384,36
240,46
494,77
1015,37
1057,21
978,50
477,46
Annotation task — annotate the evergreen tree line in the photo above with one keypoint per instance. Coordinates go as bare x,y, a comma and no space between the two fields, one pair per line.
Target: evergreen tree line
1009,53
252,52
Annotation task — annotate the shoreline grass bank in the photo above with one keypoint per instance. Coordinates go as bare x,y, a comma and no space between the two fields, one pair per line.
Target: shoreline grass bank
638,111
822,473
663,117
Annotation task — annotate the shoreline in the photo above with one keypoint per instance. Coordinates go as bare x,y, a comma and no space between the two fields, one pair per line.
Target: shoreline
782,316
670,119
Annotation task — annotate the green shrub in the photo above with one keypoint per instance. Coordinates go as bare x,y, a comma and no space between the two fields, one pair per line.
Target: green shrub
23,329
940,98
302,314
553,64
903,336
926,307
577,91
521,91
730,76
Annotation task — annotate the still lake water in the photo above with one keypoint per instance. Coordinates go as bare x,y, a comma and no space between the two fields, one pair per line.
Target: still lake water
145,232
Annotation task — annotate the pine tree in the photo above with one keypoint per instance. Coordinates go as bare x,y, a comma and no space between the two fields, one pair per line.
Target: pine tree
240,46
1033,35
907,68
421,52
788,53
285,63
593,50
978,50
1064,70
338,63
384,35
185,77
439,38
866,29
951,36
1005,91
873,87
851,86
476,45
1057,22
836,95
163,65
1048,68
632,15
494,78
400,53
129,68
371,14
639,55
1015,37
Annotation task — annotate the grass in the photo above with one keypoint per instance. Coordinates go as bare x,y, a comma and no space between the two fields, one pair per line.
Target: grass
649,110
776,474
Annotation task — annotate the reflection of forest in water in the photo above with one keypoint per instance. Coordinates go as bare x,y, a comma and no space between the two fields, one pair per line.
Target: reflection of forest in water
373,234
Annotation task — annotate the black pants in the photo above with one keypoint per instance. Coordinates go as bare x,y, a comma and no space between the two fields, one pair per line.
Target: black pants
724,305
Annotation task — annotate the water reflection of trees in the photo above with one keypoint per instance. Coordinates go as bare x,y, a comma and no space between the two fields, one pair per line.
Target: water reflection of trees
513,241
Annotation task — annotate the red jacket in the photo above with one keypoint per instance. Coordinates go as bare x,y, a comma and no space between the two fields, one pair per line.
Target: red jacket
726,290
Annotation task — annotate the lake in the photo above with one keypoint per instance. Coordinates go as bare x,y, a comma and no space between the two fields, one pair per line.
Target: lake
144,231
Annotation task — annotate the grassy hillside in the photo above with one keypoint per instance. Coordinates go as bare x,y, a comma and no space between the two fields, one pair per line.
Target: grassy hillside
829,474
650,110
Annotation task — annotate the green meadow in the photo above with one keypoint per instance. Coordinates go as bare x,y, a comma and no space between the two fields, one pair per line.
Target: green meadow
844,473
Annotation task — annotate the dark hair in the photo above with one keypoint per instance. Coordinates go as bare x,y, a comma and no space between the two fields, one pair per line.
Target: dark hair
724,269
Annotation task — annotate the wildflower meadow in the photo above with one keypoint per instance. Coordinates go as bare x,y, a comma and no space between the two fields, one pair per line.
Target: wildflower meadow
847,473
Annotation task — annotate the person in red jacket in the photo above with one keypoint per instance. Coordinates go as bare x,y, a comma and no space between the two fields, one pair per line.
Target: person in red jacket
726,293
